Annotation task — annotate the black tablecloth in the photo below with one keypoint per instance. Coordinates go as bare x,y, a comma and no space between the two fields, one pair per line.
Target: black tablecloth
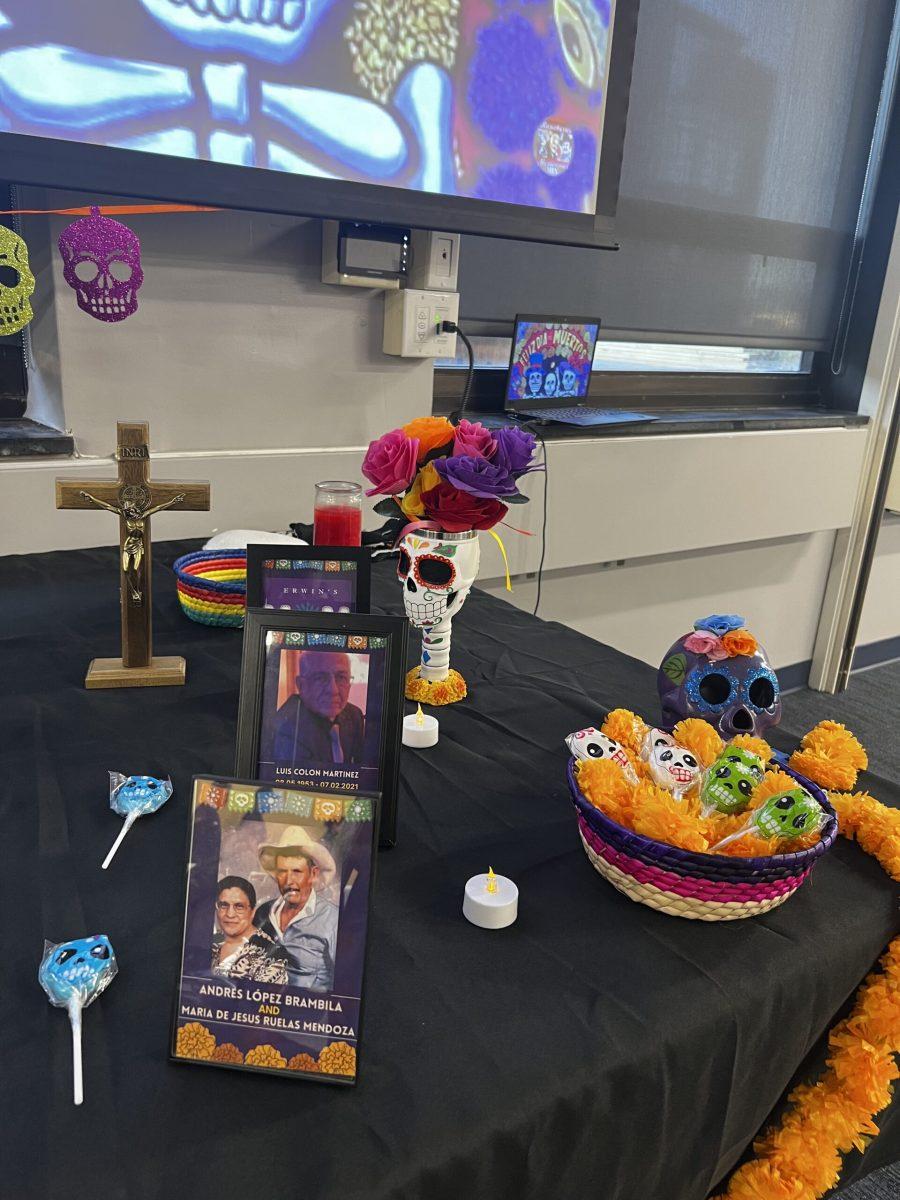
594,1048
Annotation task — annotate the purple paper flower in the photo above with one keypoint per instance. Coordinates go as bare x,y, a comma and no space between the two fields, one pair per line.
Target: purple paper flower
472,438
476,476
720,623
390,463
515,450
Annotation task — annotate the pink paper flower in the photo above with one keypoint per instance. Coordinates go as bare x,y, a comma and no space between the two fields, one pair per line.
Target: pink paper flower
472,438
390,463
706,643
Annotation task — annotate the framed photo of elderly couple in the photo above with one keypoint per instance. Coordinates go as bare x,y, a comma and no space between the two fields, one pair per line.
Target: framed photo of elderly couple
276,915
321,704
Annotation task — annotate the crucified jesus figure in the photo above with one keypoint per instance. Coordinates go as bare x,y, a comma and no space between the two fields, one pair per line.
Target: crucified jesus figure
134,508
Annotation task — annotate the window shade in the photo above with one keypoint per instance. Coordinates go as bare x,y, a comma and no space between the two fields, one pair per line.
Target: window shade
748,135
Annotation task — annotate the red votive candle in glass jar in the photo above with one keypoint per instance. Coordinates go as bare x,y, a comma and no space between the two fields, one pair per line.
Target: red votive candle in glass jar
338,514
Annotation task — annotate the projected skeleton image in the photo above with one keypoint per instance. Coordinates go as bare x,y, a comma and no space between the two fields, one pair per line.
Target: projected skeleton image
458,97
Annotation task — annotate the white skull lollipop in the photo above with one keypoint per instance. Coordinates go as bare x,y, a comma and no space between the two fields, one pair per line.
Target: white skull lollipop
590,743
673,768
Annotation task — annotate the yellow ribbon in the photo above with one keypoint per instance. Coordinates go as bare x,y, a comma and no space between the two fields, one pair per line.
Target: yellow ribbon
496,536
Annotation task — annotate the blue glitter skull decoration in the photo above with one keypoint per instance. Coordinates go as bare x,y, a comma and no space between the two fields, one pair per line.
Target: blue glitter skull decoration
77,972
699,677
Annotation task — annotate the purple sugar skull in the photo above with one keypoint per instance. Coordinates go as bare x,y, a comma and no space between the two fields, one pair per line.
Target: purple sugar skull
735,693
102,264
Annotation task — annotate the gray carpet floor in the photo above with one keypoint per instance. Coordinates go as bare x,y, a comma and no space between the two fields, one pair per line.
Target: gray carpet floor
870,707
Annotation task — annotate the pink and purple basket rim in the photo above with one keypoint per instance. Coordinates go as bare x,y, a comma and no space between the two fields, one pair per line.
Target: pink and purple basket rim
720,891
649,852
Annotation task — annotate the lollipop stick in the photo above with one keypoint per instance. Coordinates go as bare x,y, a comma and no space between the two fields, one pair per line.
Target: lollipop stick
126,825
732,837
77,1082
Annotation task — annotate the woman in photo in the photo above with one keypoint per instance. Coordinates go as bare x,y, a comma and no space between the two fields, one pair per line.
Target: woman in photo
240,951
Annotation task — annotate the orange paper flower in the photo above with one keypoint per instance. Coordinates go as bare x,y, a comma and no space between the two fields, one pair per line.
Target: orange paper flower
700,738
624,727
445,691
755,745
432,432
739,642
603,783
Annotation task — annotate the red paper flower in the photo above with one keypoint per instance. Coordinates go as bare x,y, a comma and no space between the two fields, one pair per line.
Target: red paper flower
456,511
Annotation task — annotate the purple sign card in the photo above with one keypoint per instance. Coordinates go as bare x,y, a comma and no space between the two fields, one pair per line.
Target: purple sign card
276,915
332,579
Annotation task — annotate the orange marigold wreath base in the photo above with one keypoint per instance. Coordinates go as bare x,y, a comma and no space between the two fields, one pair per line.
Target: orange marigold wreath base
446,691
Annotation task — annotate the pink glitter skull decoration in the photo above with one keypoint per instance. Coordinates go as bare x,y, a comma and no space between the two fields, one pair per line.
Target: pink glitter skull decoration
102,263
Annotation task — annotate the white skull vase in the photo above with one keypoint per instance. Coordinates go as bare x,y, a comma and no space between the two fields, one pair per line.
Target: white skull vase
437,571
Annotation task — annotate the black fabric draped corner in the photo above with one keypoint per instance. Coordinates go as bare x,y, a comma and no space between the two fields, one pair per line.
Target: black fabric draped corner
595,1048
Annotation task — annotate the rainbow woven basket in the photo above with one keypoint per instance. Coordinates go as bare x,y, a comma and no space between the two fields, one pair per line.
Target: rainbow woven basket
683,883
212,586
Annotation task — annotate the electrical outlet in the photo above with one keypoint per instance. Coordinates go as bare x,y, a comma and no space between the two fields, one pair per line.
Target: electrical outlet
434,260
412,323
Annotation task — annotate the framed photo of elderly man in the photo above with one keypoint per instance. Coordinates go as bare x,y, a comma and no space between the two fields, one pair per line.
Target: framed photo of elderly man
276,915
322,702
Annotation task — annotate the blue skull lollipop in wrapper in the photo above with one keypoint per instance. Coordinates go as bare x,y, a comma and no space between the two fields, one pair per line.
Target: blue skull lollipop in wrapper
134,796
73,974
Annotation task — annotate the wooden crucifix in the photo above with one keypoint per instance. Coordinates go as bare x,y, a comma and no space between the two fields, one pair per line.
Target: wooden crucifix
134,498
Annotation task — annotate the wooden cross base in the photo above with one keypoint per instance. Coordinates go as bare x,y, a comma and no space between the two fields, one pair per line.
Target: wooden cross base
162,671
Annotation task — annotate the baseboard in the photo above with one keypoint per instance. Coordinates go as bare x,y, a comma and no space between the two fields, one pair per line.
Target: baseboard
873,654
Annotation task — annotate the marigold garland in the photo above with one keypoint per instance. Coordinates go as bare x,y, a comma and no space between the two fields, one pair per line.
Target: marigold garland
800,1158
444,691
830,756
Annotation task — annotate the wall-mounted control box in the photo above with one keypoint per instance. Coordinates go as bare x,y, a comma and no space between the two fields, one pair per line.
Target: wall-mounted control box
355,254
412,323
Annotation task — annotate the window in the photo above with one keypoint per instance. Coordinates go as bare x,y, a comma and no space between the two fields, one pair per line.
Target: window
654,356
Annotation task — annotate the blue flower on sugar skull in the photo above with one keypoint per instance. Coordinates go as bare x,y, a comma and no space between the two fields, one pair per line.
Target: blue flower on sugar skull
720,623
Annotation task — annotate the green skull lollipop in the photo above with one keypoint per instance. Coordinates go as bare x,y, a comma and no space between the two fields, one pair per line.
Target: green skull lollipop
787,815
729,782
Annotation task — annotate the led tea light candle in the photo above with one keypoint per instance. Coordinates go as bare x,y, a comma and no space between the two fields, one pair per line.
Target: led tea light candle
420,730
491,901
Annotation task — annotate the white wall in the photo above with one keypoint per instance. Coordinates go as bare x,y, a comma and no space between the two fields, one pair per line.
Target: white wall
643,605
251,372
881,610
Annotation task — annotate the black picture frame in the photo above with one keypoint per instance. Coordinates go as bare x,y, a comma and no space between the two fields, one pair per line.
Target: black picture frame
259,554
203,859
295,627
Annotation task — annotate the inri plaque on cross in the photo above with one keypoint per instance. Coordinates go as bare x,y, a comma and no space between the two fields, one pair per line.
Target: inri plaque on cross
134,498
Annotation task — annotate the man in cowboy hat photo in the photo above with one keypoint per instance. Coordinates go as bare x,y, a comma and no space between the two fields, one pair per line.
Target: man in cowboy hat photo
301,918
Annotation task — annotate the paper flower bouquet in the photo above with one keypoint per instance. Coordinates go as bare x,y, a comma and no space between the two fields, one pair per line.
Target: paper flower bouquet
443,483
449,477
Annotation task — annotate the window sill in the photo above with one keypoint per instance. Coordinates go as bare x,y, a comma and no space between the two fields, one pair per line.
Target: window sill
706,420
23,438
